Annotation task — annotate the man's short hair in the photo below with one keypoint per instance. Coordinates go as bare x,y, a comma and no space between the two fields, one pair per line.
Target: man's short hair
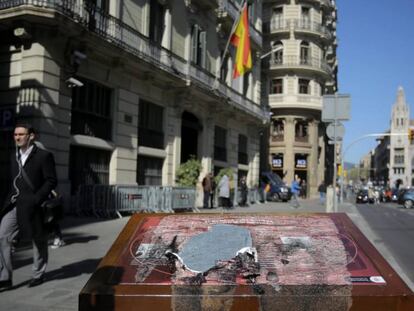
29,127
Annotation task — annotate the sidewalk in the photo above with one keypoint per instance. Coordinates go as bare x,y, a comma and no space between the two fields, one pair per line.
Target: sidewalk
88,240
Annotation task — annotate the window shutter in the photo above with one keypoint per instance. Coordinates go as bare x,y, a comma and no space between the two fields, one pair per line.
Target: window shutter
203,48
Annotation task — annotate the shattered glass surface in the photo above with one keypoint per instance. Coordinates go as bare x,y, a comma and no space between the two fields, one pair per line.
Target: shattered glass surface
201,252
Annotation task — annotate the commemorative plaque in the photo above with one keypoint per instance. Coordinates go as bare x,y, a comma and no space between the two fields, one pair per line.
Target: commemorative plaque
192,262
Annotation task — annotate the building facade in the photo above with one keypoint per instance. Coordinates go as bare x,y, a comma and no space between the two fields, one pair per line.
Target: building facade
394,154
302,67
123,92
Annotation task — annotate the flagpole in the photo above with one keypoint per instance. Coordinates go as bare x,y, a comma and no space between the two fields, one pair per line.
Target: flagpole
236,20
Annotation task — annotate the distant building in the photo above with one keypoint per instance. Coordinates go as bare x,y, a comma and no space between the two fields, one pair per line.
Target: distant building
300,70
394,155
366,167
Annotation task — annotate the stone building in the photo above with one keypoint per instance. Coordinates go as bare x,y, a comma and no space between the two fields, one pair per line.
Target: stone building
125,91
301,68
395,161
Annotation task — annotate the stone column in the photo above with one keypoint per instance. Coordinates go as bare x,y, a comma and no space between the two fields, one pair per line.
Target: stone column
289,156
313,158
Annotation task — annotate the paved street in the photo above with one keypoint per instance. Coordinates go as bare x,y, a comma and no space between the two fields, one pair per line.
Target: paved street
394,228
88,240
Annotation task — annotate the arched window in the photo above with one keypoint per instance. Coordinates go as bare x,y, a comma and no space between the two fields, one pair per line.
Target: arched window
277,48
304,53
301,131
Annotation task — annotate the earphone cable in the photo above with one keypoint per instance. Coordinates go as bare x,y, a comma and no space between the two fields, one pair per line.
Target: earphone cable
19,162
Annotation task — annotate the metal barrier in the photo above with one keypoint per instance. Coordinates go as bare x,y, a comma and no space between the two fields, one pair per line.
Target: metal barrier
112,200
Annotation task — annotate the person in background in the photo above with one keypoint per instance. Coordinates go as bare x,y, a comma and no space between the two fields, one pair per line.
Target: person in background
322,192
303,189
224,191
213,191
34,176
207,187
295,188
243,192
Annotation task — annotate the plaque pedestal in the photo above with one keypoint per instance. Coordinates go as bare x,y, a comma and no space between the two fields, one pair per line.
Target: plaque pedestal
303,262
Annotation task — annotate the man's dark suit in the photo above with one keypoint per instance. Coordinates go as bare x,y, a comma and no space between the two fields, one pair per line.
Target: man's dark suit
40,169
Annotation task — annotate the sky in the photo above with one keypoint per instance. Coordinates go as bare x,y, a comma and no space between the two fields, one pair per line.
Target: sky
375,56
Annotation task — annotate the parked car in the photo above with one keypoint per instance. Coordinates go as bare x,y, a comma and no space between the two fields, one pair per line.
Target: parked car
406,198
394,195
362,197
277,189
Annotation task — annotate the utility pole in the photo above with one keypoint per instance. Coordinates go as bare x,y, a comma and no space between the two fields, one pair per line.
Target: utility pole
335,108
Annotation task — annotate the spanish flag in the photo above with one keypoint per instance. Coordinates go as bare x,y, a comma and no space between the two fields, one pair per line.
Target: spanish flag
241,40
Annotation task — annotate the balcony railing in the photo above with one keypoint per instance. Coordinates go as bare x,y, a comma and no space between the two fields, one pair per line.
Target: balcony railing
122,35
230,7
295,61
281,24
302,139
278,137
306,25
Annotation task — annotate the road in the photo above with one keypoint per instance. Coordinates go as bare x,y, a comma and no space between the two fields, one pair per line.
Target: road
394,227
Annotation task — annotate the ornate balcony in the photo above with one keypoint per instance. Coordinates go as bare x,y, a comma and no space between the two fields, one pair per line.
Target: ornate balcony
120,35
301,101
279,25
311,28
323,3
203,4
310,64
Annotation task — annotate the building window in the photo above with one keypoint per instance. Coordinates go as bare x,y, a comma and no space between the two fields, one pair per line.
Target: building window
304,53
305,17
97,11
198,46
150,125
88,166
277,56
276,86
301,131
278,130
156,22
243,157
91,110
220,142
399,159
277,18
251,9
304,86
149,170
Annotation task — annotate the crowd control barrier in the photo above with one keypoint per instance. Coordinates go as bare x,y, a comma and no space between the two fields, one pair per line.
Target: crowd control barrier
113,200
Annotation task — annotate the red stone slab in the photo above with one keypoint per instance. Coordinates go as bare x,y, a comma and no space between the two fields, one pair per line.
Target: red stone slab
330,265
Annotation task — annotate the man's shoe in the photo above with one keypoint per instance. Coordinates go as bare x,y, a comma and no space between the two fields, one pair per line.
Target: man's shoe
57,243
5,285
36,281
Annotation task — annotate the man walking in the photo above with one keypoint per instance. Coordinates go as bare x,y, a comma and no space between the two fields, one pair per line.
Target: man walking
322,192
295,188
34,176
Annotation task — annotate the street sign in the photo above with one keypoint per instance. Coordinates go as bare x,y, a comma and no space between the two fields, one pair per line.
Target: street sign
6,118
336,107
340,131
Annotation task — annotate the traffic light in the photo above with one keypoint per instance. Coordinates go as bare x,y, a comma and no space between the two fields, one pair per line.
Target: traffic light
411,135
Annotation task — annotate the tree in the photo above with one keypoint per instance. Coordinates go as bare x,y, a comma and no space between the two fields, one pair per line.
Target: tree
188,172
